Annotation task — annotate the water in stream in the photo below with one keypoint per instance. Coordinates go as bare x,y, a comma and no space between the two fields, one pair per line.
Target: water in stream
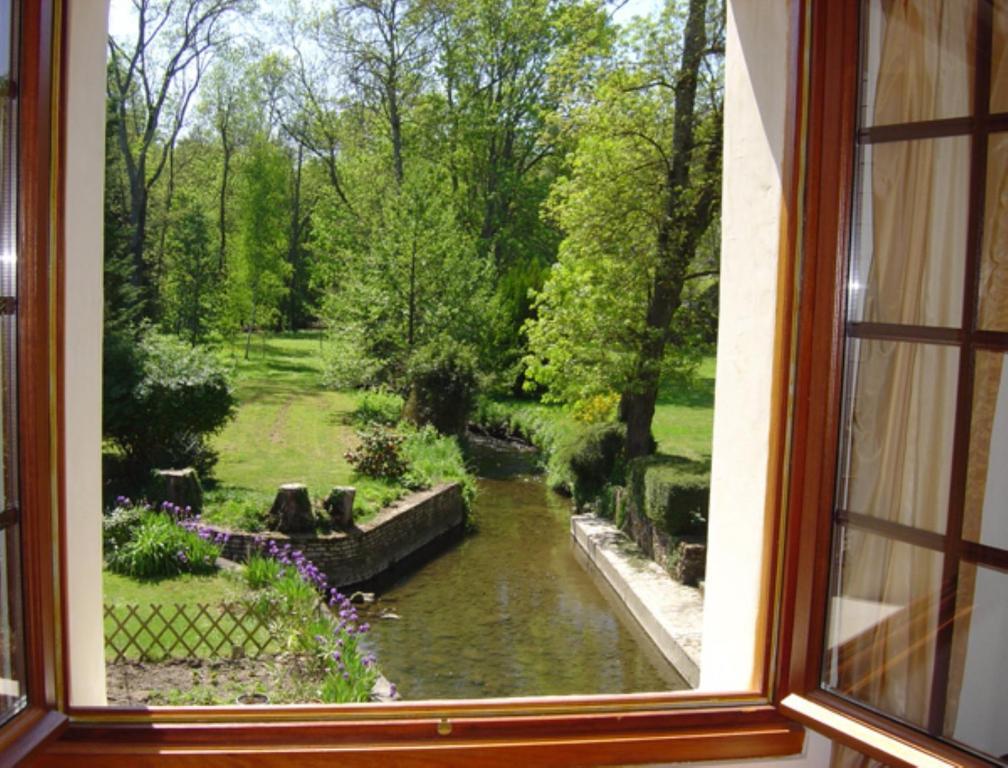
510,611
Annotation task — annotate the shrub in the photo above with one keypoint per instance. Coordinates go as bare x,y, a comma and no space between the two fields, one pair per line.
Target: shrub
442,379
590,459
379,406
170,398
120,522
379,454
161,547
671,491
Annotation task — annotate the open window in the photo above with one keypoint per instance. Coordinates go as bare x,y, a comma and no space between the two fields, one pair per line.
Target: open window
813,392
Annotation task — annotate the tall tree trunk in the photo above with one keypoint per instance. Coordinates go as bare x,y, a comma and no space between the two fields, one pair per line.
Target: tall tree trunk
222,201
294,242
677,240
163,234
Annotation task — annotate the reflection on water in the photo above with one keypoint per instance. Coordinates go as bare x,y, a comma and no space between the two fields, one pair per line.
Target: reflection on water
509,611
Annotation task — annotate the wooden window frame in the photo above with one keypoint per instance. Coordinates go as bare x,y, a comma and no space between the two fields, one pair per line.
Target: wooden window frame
816,427
546,731
42,720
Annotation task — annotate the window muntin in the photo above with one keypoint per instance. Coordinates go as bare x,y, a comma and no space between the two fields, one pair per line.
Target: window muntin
911,606
12,649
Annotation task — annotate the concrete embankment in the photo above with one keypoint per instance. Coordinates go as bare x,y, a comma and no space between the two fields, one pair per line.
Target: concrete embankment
670,613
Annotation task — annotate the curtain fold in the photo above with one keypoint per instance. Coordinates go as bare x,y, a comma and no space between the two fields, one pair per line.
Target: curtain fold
902,416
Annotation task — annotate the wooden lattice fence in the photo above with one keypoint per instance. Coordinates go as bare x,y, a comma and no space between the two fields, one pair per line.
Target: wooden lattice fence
159,632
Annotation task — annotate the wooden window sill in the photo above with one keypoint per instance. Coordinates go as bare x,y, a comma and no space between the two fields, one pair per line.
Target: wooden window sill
29,731
600,738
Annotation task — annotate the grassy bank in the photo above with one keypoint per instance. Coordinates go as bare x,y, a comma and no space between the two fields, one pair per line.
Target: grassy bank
290,429
683,423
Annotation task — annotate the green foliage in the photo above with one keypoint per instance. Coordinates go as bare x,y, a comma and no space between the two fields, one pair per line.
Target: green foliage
590,459
671,491
169,398
379,454
190,285
379,406
592,333
261,572
406,274
259,271
120,523
235,509
434,458
442,377
158,547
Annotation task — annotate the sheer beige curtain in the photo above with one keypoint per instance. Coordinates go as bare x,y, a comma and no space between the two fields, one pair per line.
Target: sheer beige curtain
902,415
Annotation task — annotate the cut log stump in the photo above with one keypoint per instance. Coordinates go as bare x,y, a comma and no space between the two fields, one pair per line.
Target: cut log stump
339,505
180,487
291,511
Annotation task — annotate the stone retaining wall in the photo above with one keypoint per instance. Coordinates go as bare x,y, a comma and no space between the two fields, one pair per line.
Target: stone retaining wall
369,550
684,557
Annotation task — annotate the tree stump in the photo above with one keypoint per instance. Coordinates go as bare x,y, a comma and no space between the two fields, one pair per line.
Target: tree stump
291,511
180,487
339,505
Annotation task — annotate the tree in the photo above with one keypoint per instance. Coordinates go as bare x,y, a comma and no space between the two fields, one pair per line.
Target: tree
152,80
191,272
256,284
385,45
414,277
617,304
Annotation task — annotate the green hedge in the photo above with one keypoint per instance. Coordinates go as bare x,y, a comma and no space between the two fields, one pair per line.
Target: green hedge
591,459
671,491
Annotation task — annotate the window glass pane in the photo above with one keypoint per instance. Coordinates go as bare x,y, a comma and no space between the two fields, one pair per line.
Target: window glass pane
978,677
999,58
994,265
910,233
12,693
883,615
986,507
898,448
918,60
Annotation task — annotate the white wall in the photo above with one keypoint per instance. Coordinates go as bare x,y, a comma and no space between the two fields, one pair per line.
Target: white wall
756,94
85,174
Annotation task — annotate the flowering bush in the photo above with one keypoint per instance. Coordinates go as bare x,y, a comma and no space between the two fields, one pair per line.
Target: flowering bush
326,640
147,543
379,454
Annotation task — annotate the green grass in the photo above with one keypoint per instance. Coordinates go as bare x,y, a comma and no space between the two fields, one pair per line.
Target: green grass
288,429
684,417
186,589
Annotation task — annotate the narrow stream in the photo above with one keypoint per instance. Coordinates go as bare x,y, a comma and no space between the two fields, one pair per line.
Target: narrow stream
510,611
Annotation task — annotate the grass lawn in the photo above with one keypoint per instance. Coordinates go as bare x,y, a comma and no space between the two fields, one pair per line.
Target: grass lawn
684,417
288,429
186,589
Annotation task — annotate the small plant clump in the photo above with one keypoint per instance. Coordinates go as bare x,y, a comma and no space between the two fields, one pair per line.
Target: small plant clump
379,454
147,543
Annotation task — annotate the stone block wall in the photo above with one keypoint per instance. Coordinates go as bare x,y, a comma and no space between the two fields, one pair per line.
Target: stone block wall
369,550
684,557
